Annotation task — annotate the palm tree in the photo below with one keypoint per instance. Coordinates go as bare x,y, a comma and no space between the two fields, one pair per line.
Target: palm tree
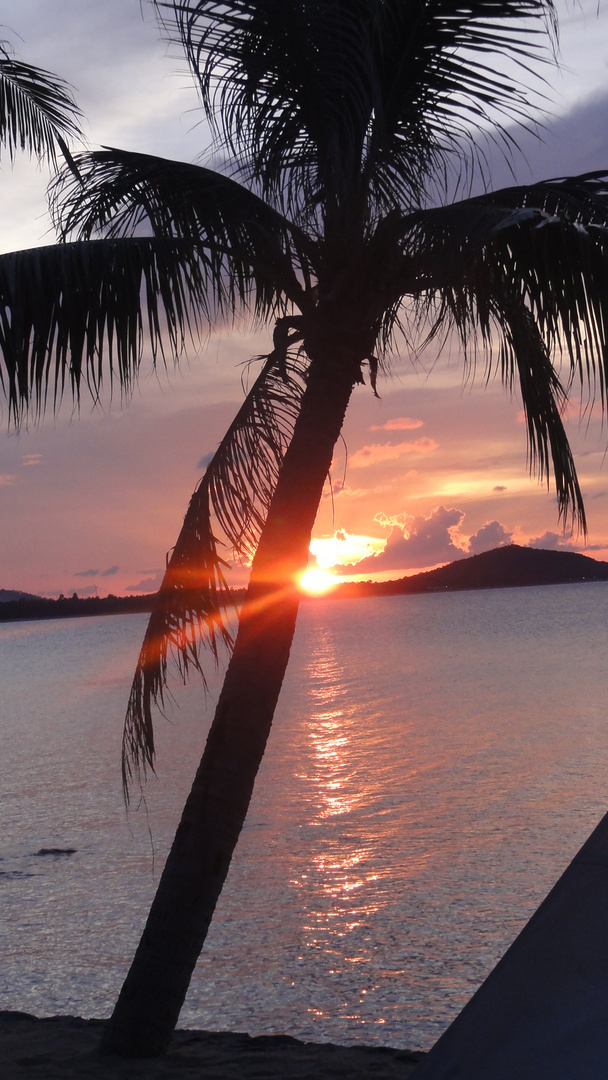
339,125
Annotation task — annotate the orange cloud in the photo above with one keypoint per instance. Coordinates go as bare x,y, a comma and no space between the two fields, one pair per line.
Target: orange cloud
388,520
343,548
377,452
400,423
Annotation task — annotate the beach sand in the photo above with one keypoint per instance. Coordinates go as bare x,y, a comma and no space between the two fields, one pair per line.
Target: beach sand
66,1048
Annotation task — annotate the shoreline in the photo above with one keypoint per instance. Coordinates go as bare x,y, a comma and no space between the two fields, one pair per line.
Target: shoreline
66,1048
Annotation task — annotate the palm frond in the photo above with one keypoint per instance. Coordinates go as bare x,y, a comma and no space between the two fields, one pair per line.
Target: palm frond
37,109
527,267
524,354
78,315
334,100
284,85
227,510
548,241
515,346
435,85
254,255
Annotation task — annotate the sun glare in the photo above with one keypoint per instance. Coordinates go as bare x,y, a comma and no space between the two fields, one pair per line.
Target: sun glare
317,581
344,548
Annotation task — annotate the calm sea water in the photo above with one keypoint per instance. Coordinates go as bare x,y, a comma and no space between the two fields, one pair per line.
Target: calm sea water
435,763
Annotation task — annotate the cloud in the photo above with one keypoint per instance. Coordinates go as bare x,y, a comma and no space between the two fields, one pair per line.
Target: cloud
400,423
205,460
147,584
376,452
6,479
343,548
425,541
551,541
31,459
499,487
388,520
491,535
340,488
418,542
97,573
567,142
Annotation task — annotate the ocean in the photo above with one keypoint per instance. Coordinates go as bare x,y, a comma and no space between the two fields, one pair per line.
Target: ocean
435,763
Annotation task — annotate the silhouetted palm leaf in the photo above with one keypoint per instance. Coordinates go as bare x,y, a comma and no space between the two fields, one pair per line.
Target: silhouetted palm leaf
325,102
37,110
227,510
79,314
254,255
525,269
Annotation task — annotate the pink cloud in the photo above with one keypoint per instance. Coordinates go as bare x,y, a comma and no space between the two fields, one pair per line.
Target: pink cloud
341,488
147,584
377,452
400,423
491,535
422,541
552,541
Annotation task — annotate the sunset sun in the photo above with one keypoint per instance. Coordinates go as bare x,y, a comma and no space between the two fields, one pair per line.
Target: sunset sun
317,581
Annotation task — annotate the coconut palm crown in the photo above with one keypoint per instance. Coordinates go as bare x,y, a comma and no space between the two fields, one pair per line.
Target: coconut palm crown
339,128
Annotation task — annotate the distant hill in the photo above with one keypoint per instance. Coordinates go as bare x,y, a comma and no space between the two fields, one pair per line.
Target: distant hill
502,568
6,595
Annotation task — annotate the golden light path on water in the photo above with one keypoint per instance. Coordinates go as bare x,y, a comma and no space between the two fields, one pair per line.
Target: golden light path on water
340,869
347,883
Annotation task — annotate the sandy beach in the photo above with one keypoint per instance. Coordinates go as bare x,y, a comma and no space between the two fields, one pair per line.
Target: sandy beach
66,1048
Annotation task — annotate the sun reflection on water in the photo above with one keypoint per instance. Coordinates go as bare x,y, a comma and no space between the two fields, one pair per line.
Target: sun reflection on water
343,875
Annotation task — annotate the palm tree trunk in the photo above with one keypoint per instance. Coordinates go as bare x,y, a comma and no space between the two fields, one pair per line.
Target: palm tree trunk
153,993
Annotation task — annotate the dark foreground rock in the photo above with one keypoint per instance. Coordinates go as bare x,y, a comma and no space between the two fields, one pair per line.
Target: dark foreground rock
66,1048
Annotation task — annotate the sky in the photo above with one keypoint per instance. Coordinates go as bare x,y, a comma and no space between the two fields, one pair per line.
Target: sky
92,499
